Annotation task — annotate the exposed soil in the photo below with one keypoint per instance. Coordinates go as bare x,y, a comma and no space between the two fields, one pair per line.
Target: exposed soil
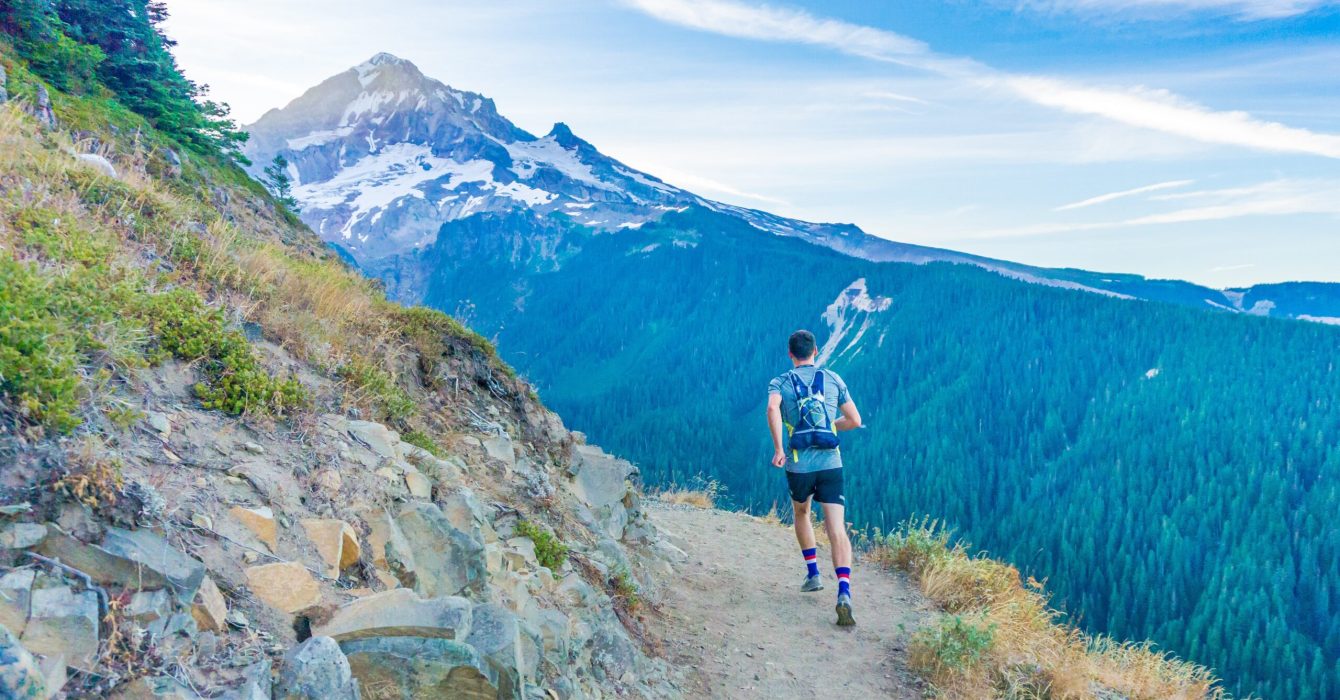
737,615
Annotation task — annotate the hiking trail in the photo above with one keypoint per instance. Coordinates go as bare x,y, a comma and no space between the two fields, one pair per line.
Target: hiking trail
737,614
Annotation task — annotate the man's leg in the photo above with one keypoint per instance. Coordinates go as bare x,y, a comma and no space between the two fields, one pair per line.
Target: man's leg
828,492
804,528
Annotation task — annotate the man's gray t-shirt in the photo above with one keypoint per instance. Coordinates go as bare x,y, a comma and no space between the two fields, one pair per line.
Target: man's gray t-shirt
835,394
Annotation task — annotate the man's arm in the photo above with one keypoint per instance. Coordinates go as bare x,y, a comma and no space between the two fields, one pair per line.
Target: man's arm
851,418
775,427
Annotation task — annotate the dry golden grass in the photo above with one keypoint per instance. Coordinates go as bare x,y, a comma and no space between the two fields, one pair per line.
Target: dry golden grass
683,497
1001,639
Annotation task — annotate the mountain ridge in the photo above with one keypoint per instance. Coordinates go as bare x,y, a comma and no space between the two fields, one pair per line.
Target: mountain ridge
382,155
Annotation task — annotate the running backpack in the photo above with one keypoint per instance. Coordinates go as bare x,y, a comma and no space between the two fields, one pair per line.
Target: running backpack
814,426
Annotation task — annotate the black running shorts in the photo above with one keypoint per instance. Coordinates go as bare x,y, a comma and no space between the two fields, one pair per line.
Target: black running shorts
825,486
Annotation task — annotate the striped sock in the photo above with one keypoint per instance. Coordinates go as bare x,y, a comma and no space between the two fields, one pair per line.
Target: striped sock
844,580
811,561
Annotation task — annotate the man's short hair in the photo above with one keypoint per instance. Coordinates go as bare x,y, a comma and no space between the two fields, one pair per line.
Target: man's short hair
801,345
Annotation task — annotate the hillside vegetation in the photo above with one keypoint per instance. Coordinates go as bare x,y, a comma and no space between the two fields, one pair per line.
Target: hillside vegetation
1169,472
233,468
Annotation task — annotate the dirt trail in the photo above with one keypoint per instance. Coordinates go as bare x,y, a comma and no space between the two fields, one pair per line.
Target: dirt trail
737,614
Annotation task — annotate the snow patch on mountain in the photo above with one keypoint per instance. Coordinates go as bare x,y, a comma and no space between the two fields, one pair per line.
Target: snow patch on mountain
848,319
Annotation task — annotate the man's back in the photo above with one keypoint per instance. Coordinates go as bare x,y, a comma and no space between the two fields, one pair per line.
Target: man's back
835,395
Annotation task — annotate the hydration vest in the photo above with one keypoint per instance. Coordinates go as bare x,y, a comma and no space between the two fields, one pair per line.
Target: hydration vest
814,425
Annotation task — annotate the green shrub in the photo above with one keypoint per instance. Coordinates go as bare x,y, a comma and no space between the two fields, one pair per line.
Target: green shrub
550,552
626,589
235,380
423,440
39,366
954,644
375,386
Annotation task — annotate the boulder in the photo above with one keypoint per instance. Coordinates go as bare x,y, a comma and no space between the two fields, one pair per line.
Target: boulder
210,610
20,676
54,673
419,485
495,634
4,93
256,683
15,588
462,509
156,420
335,541
613,653
22,536
599,479
316,670
147,606
421,667
399,613
63,621
376,437
98,163
285,586
260,521
42,108
519,554
445,562
499,449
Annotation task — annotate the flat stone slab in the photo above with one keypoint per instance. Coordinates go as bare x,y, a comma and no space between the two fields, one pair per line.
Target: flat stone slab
399,613
419,667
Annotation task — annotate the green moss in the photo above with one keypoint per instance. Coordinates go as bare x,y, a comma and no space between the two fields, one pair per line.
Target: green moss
549,551
123,417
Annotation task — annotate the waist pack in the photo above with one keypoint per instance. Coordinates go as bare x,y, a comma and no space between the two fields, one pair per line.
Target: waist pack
814,425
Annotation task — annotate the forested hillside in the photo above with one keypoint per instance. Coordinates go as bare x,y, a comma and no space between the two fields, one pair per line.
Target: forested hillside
1170,471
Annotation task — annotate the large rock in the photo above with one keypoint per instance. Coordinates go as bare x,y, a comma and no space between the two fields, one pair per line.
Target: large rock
147,606
414,668
134,559
445,560
499,448
285,586
256,683
335,541
260,521
377,437
98,163
316,670
62,621
20,677
14,599
599,479
496,635
210,610
22,536
399,613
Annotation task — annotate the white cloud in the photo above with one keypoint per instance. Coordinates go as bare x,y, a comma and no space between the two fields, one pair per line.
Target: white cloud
1272,198
1163,111
1241,9
1232,268
1157,110
697,183
1102,198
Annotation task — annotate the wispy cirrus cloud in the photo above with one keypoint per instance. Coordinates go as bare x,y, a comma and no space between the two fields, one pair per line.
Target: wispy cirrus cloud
1282,197
1139,106
1103,198
1246,10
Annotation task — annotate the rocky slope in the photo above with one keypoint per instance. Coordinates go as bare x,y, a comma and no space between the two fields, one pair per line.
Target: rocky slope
247,475
383,156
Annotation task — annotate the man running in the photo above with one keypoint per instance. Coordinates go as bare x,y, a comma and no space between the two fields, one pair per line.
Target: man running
808,400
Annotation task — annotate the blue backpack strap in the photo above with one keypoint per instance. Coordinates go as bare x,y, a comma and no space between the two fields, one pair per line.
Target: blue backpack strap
818,386
797,385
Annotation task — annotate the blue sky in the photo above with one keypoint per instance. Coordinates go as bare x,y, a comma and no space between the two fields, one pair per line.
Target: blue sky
1192,139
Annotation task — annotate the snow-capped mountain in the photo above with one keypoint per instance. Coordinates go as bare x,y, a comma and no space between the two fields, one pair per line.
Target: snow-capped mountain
381,157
